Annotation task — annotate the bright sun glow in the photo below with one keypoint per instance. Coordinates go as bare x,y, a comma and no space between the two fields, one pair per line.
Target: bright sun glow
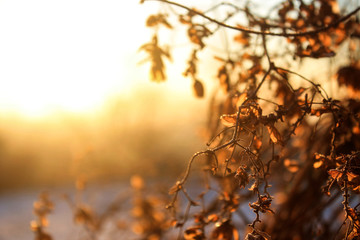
66,55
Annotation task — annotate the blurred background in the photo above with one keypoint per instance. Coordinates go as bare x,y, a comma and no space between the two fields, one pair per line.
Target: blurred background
75,104
74,100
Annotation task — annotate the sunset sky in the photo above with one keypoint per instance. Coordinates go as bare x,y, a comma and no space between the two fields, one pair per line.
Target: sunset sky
70,55
74,55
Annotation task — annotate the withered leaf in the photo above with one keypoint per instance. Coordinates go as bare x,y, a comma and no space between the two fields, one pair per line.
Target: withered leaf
192,65
352,176
242,176
213,217
262,204
228,120
198,89
257,235
335,174
224,78
274,134
156,55
356,188
319,111
85,215
253,186
224,231
194,233
321,160
157,19
317,164
349,76
254,236
243,38
197,32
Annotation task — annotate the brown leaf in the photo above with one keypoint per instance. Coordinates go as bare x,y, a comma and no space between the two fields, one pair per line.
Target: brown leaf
254,186
317,164
257,143
354,215
192,65
319,111
262,204
352,176
274,134
349,76
242,176
254,236
154,20
224,78
228,120
213,218
325,39
156,55
198,89
197,32
243,38
335,174
224,231
194,233
85,215
316,52
257,235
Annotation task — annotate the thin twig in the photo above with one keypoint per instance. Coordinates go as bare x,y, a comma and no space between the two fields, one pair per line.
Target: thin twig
317,86
252,31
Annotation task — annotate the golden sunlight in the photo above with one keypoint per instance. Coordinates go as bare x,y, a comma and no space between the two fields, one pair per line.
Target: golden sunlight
66,55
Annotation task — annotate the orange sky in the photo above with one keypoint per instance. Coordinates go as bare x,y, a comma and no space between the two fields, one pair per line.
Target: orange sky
71,55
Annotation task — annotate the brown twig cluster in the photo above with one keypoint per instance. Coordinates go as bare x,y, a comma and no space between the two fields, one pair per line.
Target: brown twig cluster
292,141
135,214
42,208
